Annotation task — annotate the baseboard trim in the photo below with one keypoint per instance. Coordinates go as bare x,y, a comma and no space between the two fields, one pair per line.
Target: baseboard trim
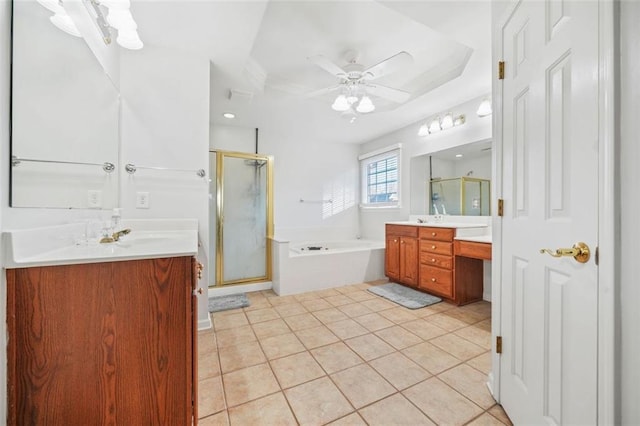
204,324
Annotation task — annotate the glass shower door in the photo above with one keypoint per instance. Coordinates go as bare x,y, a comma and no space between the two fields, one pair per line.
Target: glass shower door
244,219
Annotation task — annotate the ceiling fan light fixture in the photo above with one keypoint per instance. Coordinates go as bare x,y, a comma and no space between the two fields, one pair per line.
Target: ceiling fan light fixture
341,104
459,120
485,108
447,121
365,105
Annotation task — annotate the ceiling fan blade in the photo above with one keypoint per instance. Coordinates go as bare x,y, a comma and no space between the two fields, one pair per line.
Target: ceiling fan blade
388,66
395,95
327,65
322,91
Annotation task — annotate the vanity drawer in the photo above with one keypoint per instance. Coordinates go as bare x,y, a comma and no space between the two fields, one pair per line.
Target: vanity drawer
402,230
438,234
433,259
436,280
437,247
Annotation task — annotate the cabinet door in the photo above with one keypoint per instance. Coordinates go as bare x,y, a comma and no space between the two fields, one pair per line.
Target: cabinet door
106,343
409,260
392,257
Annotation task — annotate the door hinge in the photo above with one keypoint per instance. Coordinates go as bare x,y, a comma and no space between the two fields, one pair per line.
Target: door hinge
501,70
596,256
498,344
500,207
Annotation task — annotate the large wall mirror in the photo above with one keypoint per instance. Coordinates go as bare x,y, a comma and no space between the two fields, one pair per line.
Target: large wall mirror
64,114
455,181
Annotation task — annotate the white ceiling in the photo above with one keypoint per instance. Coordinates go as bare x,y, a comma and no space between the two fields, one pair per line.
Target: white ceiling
261,47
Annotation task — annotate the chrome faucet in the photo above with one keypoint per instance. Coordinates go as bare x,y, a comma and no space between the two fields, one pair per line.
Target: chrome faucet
114,237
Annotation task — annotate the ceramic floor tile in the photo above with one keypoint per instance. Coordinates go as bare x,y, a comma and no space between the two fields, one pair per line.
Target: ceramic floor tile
296,369
290,309
348,289
261,315
316,305
248,384
470,383
362,385
352,419
465,316
339,300
258,303
398,337
282,300
230,321
269,410
361,295
369,346
373,322
498,412
306,296
354,310
270,328
446,322
457,346
394,410
433,309
476,335
484,324
220,419
442,404
482,308
423,329
485,419
234,336
206,342
316,337
398,315
208,366
399,370
300,322
328,292
240,356
317,402
378,304
210,396
431,358
281,345
336,357
482,363
346,329
330,315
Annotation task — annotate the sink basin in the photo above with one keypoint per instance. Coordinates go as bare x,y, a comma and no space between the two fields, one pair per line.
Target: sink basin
54,245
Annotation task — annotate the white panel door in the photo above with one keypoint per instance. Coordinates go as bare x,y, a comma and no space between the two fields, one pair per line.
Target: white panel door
548,367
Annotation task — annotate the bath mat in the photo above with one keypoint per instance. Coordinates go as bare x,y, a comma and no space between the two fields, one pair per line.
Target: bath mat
405,296
232,301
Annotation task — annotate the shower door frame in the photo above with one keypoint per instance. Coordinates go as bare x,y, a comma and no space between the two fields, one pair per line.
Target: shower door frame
220,156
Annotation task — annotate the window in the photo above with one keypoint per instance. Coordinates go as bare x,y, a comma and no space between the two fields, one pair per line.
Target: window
381,178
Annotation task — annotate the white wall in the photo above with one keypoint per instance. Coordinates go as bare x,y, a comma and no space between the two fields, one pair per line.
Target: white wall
629,206
476,129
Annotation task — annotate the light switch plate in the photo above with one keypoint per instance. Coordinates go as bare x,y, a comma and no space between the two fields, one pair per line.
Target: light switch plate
142,200
94,198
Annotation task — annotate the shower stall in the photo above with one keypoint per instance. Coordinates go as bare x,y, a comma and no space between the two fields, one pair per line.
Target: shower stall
242,216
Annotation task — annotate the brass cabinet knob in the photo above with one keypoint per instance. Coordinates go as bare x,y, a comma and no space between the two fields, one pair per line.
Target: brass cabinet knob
433,280
433,260
433,247
395,241
401,241
433,234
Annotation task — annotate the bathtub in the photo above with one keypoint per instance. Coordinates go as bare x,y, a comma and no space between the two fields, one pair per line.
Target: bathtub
299,267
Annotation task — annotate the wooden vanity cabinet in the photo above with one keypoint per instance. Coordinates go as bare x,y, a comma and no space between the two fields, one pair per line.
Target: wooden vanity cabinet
436,261
103,344
401,254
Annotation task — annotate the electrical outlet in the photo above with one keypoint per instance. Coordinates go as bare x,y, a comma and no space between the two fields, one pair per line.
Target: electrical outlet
94,198
142,200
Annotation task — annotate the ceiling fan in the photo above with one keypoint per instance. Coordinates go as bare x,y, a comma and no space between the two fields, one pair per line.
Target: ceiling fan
356,83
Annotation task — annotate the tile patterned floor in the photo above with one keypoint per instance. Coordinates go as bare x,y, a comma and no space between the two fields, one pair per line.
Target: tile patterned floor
345,356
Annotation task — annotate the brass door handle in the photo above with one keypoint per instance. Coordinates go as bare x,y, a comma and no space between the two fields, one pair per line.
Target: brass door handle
580,252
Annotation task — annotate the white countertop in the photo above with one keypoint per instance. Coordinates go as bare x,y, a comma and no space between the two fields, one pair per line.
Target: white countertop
54,245
477,239
440,224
